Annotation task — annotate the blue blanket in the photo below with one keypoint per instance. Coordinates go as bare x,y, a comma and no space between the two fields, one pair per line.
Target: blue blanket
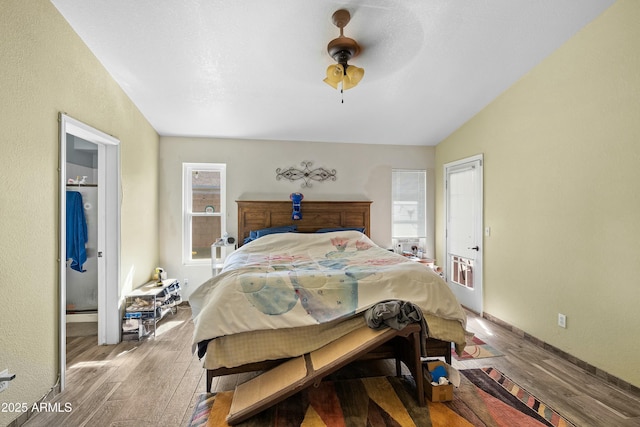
76,231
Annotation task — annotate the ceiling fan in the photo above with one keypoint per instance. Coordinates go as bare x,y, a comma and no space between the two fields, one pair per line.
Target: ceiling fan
343,49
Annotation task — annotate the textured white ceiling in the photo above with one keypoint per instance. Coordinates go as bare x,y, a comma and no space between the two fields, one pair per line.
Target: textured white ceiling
254,68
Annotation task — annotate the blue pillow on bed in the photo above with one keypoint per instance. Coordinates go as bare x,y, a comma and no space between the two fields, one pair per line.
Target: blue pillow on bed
329,230
253,235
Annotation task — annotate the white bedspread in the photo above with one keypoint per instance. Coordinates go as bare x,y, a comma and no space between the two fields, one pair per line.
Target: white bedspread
291,280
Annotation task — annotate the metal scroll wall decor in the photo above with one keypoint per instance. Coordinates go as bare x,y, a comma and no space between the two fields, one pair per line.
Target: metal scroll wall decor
306,173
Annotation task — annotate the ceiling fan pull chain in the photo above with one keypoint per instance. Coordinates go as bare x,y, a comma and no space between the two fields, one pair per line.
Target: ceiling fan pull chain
342,95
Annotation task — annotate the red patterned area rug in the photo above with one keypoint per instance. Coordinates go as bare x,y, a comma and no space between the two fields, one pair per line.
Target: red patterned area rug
475,349
388,401
487,394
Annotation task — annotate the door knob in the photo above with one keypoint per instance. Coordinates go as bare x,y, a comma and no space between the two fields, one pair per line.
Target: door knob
475,248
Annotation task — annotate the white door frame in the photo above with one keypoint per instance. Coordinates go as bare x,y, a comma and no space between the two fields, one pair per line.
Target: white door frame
471,299
108,234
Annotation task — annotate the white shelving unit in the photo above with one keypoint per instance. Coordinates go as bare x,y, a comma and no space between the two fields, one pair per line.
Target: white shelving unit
147,305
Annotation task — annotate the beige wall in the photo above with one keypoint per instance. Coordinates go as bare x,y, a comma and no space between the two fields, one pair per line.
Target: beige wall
562,181
363,173
46,69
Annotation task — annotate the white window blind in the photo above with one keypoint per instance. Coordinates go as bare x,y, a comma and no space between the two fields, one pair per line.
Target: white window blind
409,204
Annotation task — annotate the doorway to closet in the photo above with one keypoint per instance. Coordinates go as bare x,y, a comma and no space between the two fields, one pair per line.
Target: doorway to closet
89,232
82,237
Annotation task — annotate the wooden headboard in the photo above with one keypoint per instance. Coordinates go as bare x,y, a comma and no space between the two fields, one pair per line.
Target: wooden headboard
255,215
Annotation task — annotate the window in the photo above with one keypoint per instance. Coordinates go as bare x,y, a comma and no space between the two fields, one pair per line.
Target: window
409,208
203,208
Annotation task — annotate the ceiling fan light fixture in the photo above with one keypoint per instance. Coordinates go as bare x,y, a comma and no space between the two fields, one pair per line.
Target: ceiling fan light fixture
346,84
342,49
335,74
352,77
355,74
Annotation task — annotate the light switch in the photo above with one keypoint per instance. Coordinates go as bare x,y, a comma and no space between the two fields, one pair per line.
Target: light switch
487,231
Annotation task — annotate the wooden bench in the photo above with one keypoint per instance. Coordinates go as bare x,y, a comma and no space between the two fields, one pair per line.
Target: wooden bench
435,348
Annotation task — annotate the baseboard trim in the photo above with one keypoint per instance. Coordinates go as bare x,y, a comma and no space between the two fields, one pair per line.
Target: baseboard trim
612,379
25,416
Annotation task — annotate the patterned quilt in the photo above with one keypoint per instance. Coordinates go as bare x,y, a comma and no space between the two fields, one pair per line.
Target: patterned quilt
290,280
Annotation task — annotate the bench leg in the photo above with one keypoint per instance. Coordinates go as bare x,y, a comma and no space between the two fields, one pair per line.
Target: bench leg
415,360
411,356
209,380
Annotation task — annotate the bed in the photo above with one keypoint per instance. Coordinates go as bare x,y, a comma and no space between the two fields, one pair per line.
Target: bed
288,293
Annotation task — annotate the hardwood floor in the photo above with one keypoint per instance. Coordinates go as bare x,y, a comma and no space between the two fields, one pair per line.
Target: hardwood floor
156,382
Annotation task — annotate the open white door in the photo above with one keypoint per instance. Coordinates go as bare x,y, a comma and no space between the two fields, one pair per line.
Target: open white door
463,264
108,239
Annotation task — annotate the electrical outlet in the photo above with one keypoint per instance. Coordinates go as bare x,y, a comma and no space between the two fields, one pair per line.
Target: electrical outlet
562,320
4,384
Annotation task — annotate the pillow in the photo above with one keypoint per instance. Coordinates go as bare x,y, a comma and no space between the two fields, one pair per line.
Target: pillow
253,235
329,230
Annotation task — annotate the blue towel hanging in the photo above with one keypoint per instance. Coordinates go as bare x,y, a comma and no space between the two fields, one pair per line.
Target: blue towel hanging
76,231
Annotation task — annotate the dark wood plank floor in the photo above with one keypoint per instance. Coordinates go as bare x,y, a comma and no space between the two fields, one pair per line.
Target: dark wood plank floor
157,381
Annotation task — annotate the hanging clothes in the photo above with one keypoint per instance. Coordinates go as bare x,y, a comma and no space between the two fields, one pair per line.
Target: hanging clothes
76,231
